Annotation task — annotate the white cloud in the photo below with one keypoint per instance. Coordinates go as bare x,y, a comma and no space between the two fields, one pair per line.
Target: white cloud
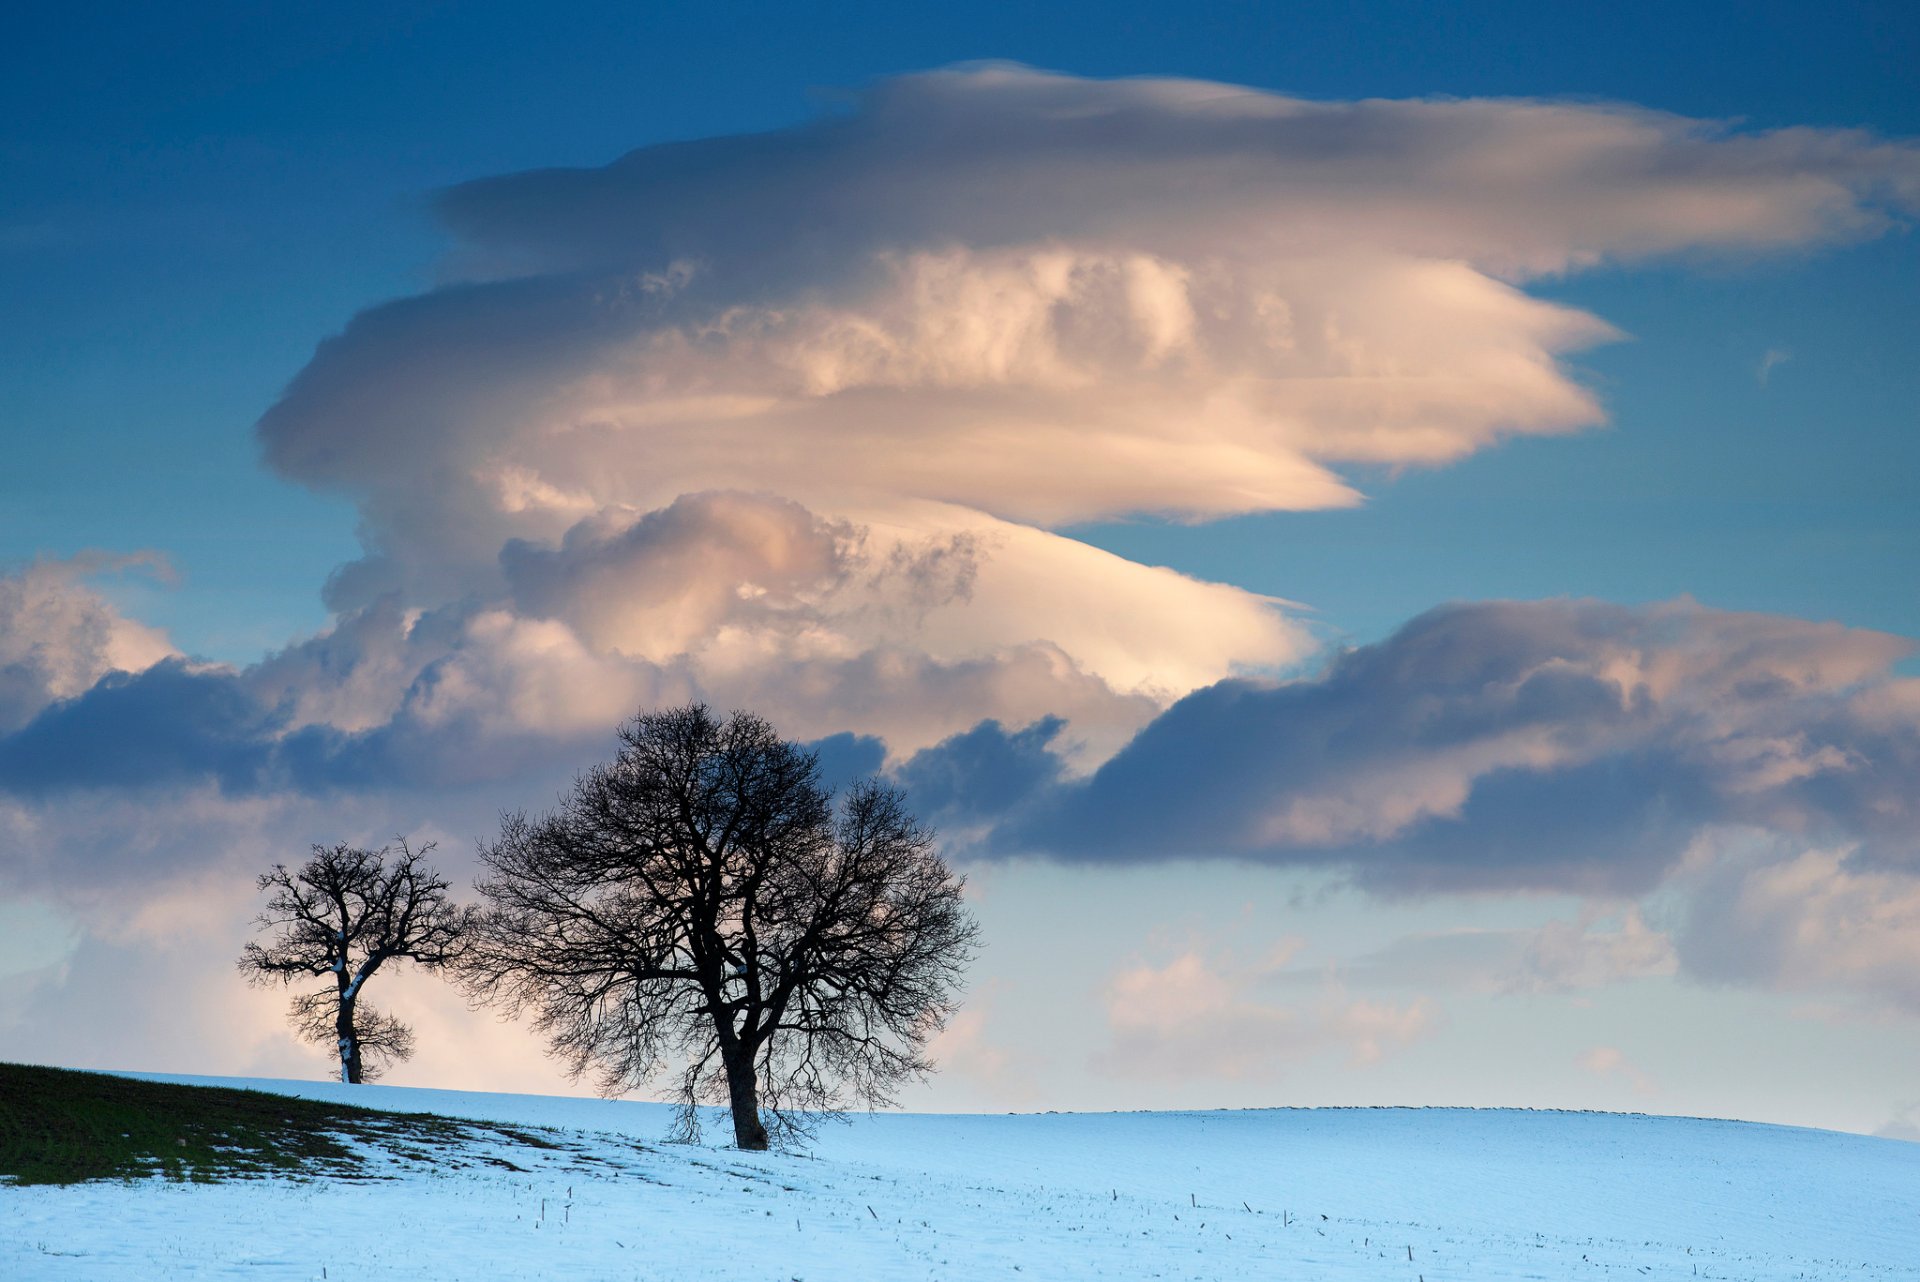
791,422
1194,1017
752,406
967,1048
1563,744
1771,914
1611,1061
1001,155
1564,956
728,580
1903,1125
59,634
1601,946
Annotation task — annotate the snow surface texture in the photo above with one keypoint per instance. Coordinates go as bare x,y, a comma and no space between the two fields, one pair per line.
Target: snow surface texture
1297,1194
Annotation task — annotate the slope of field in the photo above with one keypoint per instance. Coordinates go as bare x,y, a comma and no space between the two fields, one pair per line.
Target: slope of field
58,1126
1392,1194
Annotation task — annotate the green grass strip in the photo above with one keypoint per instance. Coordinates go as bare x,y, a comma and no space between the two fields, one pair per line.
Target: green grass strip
58,1126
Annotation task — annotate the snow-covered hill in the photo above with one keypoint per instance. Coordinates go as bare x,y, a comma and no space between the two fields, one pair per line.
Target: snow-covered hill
1312,1194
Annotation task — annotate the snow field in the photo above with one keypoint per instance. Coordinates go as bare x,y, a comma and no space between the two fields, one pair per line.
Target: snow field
1381,1194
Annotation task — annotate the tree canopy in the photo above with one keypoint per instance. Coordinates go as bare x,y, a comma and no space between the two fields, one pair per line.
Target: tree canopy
343,915
703,902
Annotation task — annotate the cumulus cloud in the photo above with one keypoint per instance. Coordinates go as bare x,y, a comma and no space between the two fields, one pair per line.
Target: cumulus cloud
1751,777
1763,913
167,998
59,634
1194,1017
1600,947
472,695
787,419
1564,956
968,1048
1612,1062
1903,1125
1520,745
765,412
828,626
729,580
793,421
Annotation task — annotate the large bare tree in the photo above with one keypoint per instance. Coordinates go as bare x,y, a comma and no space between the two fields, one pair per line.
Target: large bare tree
341,916
701,903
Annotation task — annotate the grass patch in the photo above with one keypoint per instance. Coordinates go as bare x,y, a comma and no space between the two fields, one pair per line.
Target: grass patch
58,1126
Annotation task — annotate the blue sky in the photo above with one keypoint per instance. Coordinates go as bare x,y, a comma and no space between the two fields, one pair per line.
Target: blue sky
192,207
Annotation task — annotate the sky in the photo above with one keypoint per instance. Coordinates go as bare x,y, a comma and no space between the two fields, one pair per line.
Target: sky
1382,538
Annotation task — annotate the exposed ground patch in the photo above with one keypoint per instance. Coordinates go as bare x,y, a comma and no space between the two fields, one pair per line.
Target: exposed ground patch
58,1126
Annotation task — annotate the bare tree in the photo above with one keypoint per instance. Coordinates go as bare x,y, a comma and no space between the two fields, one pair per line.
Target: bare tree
345,913
701,903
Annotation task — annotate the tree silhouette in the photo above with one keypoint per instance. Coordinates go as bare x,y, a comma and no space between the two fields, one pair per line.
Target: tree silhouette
344,914
701,901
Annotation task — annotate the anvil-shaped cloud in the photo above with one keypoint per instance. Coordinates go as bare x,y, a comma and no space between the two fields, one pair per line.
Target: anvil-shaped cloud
1035,296
909,338
794,421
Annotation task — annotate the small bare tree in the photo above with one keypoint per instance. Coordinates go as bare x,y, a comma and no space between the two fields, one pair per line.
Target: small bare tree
700,901
345,913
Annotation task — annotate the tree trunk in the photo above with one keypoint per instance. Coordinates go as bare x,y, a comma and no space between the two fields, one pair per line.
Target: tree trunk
349,1039
743,1093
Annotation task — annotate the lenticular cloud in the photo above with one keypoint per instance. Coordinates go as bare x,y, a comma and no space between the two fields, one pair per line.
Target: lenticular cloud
784,401
1046,298
796,420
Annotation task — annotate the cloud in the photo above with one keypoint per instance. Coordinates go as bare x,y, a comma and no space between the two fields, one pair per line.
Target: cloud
1570,745
467,697
970,782
1610,1061
1763,913
762,413
1042,297
724,579
1000,1071
167,998
1750,776
1003,154
1903,1125
787,420
106,855
1774,358
1194,1018
793,421
171,723
1600,947
1564,956
59,634
666,583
